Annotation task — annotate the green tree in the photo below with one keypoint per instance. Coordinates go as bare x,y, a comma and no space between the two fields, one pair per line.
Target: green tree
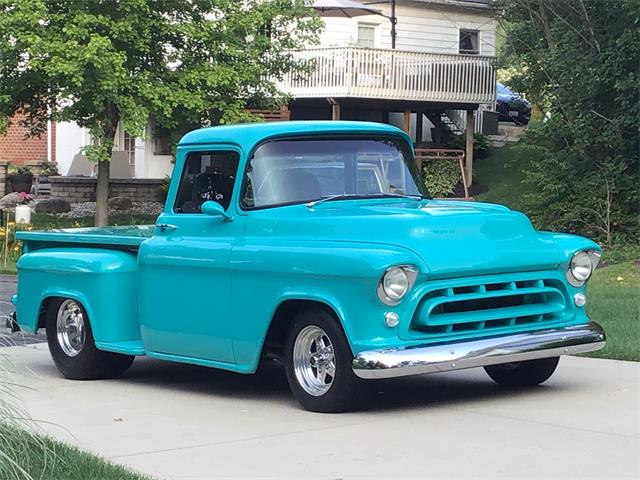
102,63
579,61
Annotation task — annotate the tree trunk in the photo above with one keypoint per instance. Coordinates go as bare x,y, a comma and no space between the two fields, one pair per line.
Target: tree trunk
108,130
102,194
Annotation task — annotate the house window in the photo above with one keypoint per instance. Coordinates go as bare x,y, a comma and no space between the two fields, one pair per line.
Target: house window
130,151
366,35
130,148
161,141
469,42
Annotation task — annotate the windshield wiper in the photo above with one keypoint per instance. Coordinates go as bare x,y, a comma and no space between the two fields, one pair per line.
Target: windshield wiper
398,195
341,196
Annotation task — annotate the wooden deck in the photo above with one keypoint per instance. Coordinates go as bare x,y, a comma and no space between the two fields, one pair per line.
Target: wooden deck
392,75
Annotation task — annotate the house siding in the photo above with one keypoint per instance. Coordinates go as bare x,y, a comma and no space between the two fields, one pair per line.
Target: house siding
419,29
70,139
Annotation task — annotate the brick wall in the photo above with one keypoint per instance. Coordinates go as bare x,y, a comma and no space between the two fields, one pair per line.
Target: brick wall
17,149
83,189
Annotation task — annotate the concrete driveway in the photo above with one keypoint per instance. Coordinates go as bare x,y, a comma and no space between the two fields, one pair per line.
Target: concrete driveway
181,421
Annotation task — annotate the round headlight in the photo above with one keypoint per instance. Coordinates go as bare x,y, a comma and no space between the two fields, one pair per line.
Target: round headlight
580,269
395,283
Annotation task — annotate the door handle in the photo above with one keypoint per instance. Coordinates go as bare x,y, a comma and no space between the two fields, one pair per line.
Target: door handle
166,227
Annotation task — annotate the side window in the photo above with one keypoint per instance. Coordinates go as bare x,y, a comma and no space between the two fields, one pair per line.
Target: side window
206,176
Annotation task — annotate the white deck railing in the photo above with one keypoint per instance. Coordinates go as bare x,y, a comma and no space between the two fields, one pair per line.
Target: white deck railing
393,75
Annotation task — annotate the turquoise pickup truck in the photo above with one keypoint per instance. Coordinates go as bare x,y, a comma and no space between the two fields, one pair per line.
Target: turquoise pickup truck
316,243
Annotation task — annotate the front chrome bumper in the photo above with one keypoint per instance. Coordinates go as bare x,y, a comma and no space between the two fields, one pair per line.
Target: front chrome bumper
416,360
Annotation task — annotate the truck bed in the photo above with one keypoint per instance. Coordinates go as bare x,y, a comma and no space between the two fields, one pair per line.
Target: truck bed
128,236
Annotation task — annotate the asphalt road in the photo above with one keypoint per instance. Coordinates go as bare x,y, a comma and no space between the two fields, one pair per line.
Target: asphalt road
187,422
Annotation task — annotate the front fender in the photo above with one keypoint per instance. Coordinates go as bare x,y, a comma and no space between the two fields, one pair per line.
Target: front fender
341,275
569,244
104,281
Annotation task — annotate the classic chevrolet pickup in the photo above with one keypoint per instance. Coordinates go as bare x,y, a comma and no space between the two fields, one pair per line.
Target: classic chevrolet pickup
316,243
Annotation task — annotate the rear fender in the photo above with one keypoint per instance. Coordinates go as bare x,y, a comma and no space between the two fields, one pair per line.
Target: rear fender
104,281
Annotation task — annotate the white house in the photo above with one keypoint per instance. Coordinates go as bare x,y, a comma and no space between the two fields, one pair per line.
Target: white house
141,157
440,73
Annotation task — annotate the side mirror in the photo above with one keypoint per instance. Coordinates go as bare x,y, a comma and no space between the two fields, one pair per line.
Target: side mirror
214,209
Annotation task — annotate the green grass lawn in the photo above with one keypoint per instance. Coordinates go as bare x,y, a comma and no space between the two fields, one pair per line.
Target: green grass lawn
613,296
45,459
503,173
613,300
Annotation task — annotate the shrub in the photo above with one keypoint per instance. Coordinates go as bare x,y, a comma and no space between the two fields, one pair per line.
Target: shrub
164,188
579,62
441,176
49,169
18,170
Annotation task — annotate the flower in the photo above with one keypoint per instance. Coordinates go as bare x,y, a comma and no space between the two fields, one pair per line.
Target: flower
24,198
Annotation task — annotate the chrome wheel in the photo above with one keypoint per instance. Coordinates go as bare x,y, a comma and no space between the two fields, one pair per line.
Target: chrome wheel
70,328
314,361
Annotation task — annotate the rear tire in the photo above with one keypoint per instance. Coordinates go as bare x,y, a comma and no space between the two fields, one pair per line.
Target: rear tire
523,374
72,345
318,363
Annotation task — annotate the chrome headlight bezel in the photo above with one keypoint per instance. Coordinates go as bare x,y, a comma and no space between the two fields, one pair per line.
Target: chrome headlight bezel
405,274
581,266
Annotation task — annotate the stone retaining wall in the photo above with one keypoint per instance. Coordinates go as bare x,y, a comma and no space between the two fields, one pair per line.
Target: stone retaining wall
5,187
83,189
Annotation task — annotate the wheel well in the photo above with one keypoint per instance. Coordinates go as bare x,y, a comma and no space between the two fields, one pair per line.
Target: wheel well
282,318
44,310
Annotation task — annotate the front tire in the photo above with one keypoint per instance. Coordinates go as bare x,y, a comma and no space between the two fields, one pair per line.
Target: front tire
318,363
523,374
72,345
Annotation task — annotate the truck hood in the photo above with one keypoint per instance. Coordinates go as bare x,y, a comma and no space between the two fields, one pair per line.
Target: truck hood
451,237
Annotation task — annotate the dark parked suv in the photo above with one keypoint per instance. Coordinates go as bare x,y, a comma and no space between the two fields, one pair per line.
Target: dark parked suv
512,106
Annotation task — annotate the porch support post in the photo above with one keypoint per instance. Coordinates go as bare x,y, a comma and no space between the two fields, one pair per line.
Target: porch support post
469,146
419,127
335,109
406,122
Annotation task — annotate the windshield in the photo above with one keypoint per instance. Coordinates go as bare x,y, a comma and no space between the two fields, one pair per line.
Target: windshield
298,171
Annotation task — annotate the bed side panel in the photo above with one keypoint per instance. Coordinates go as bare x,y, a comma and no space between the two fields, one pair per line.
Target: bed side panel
103,280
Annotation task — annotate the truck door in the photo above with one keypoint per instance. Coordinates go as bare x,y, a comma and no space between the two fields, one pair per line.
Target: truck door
185,302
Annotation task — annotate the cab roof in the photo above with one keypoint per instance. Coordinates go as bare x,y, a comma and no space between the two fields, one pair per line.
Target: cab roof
255,132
